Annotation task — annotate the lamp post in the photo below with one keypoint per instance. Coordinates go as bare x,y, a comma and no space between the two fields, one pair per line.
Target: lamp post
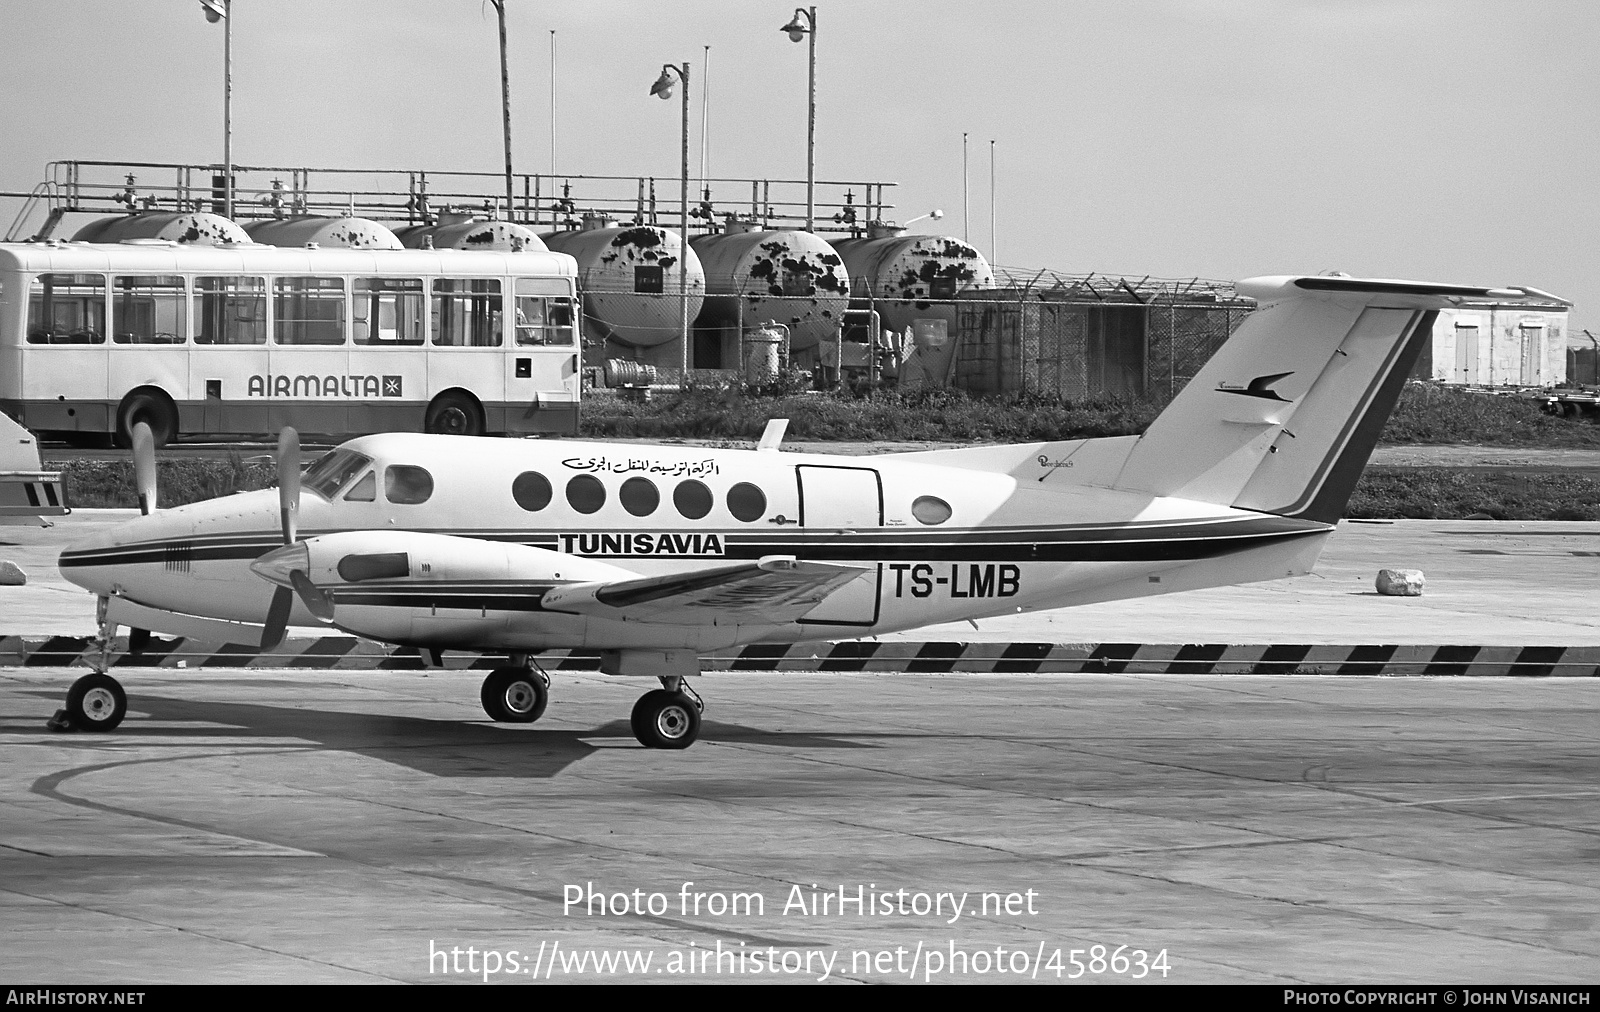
662,89
505,103
797,31
218,10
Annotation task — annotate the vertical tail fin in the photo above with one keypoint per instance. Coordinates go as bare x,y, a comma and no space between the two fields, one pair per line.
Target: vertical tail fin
1284,416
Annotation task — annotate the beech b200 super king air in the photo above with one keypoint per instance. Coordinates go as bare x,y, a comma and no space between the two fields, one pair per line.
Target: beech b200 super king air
656,555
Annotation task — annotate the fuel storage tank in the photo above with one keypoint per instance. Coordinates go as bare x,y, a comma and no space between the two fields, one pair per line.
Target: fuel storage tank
195,228
793,278
335,233
497,236
628,276
911,277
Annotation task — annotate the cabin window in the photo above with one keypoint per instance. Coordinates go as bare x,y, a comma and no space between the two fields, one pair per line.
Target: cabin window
308,310
407,484
466,313
150,310
930,509
387,311
532,491
746,502
640,497
585,493
233,310
692,498
67,309
365,490
332,470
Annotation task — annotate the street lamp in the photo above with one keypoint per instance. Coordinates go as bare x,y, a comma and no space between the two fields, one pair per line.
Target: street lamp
218,10
797,30
662,89
505,102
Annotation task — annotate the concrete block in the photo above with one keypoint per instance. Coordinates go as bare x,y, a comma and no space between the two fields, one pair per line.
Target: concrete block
11,574
1401,582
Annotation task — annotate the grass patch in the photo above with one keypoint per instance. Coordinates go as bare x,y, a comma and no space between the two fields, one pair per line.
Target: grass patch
1425,414
943,415
1447,493
108,484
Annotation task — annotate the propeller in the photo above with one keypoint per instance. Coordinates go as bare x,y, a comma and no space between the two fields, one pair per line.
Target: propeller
288,513
144,467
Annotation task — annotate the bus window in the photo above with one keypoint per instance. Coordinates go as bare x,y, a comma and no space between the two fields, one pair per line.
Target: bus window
466,313
233,310
149,310
388,311
67,309
542,319
308,310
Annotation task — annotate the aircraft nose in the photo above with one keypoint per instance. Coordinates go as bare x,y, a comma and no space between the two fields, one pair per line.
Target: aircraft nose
277,565
93,562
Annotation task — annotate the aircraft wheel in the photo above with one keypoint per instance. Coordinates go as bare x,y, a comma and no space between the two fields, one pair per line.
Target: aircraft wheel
514,695
663,719
96,703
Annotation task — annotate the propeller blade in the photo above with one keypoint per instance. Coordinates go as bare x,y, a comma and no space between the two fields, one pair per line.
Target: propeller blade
317,602
144,467
277,618
289,482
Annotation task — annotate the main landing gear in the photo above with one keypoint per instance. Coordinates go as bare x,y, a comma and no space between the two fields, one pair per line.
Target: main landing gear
668,717
515,695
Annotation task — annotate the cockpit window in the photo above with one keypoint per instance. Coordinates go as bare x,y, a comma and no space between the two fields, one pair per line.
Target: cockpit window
332,471
407,484
365,490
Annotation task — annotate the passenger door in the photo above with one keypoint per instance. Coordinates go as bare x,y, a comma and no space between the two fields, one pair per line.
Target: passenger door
844,499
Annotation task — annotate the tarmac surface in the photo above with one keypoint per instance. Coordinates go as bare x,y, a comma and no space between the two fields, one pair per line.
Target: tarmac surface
292,827
372,826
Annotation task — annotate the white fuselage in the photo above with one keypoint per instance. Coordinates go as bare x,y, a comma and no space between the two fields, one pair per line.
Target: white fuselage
937,539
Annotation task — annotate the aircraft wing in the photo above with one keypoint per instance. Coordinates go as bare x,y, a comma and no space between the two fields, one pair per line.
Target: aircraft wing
774,589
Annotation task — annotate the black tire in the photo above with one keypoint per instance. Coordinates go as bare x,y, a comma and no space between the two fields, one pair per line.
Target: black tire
96,703
152,409
663,719
514,696
454,414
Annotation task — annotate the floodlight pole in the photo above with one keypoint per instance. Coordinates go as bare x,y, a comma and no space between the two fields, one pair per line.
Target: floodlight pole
505,103
795,29
663,88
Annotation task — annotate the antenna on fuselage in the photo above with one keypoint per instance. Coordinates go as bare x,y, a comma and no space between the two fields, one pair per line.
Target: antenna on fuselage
144,467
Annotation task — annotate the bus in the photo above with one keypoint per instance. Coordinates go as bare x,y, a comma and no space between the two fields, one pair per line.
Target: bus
238,339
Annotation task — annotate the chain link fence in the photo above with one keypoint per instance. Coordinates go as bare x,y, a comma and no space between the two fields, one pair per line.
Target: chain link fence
1065,343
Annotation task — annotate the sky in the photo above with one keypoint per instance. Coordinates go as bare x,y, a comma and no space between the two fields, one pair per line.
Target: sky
1439,140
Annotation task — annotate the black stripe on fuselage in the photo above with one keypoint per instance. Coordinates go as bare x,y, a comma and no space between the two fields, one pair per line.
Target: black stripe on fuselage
1133,542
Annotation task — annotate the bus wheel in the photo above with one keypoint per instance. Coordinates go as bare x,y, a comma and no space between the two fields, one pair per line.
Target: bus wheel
153,410
454,414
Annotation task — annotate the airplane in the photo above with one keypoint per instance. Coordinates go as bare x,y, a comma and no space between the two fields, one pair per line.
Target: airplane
655,555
